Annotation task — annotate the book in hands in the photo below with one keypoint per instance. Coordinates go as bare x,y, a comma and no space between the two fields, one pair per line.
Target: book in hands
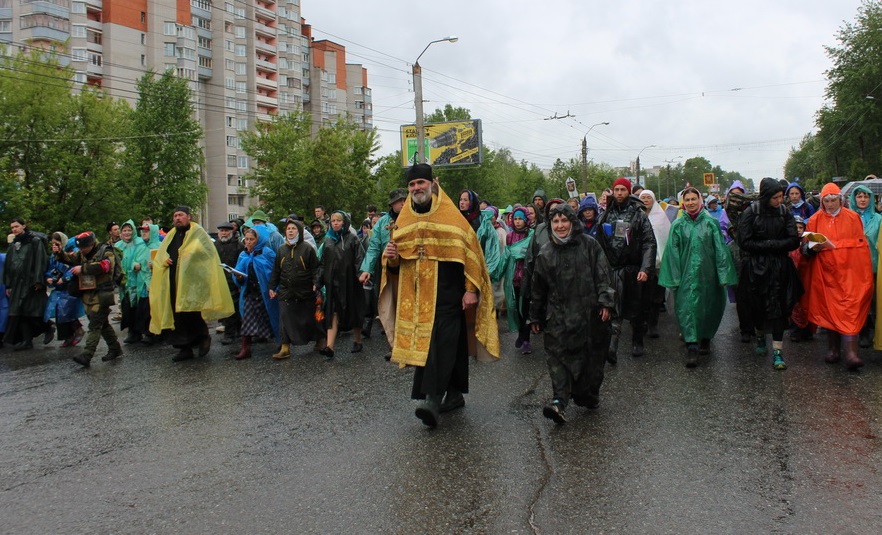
817,241
228,269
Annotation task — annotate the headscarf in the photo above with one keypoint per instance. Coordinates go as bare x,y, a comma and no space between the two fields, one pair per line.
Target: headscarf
134,251
154,241
261,258
683,193
661,225
473,212
333,234
567,211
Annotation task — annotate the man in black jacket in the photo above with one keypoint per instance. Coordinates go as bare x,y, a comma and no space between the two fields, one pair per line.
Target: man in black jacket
626,236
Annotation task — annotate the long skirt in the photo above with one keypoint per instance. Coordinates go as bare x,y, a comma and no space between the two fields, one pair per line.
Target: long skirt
297,324
255,320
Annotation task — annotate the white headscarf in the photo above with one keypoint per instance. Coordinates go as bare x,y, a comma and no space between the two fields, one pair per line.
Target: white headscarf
661,226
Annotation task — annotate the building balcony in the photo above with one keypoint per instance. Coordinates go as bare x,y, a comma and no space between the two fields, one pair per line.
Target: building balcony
264,117
264,13
264,30
265,47
266,83
49,34
204,73
94,25
265,65
50,8
264,100
95,3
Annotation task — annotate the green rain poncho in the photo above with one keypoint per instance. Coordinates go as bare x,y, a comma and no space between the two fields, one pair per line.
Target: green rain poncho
697,266
137,283
513,253
490,245
870,219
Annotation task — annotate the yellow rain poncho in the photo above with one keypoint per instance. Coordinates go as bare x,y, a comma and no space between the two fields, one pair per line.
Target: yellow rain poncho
201,285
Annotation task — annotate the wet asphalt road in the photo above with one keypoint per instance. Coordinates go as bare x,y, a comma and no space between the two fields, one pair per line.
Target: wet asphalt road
145,445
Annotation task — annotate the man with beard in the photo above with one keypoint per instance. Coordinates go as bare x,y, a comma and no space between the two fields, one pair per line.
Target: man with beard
228,248
188,287
436,261
627,239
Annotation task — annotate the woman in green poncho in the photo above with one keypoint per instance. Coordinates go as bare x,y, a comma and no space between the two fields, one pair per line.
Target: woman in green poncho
517,305
863,201
133,301
697,266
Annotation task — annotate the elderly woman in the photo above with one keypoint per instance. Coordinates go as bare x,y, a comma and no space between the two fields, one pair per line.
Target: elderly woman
697,266
344,305
133,299
838,278
293,284
661,228
260,313
766,235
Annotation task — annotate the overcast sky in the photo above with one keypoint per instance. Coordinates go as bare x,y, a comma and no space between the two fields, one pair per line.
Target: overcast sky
736,82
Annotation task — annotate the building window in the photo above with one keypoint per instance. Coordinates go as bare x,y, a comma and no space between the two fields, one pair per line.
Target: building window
229,64
201,4
204,42
43,20
143,17
240,87
78,54
168,50
283,62
242,162
169,28
332,94
77,30
232,141
228,45
357,90
187,32
95,59
241,105
143,38
240,51
78,8
230,83
241,123
240,32
231,121
242,69
231,160
199,22
143,59
236,200
205,62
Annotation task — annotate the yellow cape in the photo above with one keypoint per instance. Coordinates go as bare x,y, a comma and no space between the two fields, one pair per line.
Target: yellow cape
440,235
201,284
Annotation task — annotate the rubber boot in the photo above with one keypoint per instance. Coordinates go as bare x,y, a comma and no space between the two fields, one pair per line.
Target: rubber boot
245,352
833,342
611,355
284,352
691,355
637,342
852,360
452,401
429,411
366,327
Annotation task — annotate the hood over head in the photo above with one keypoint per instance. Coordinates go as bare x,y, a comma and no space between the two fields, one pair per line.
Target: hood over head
567,211
737,184
769,187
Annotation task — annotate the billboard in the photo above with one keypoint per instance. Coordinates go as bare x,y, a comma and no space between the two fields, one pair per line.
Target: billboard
447,144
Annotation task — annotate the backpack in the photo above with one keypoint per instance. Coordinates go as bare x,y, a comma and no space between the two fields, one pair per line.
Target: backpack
118,277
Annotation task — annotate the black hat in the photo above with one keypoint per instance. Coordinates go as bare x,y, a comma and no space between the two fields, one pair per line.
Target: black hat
85,239
182,208
419,170
397,195
227,225
294,216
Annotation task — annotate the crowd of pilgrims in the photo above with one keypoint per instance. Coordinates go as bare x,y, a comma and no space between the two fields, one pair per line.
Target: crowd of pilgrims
296,284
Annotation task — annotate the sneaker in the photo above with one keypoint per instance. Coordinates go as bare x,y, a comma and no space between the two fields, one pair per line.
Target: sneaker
778,362
526,348
555,411
220,329
50,334
760,345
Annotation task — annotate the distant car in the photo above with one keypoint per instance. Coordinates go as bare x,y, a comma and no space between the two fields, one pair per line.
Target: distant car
875,185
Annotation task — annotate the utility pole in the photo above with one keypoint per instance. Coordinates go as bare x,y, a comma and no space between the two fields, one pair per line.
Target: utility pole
420,154
585,155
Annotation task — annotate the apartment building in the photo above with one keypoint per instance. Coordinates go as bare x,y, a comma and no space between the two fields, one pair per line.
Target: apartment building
245,60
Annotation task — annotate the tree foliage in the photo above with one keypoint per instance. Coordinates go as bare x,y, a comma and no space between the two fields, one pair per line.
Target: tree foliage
294,171
163,155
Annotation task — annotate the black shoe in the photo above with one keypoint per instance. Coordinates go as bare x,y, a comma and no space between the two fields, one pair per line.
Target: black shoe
429,411
611,357
356,348
692,356
555,411
452,401
327,352
83,360
50,334
227,340
637,350
186,353
149,340
704,346
111,355
132,339
205,346
746,338
652,331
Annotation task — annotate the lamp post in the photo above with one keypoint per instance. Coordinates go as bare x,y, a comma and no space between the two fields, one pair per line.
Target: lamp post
585,155
668,181
420,154
638,161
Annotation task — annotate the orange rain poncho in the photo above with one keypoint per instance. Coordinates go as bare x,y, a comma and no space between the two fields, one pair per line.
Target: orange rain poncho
838,281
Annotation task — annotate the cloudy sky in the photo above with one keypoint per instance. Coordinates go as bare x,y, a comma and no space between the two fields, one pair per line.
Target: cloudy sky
736,82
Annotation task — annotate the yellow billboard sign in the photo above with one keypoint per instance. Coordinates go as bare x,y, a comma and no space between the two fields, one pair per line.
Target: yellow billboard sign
447,144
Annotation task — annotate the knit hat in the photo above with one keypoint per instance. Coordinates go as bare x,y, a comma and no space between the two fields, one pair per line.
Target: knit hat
622,181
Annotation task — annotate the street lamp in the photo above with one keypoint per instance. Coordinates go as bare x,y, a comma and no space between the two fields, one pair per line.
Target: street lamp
638,161
585,155
420,154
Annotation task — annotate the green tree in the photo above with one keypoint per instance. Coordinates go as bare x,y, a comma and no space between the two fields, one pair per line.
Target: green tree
59,149
164,158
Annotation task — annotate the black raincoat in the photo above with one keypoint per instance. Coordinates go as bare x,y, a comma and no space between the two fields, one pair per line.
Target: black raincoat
340,263
768,278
